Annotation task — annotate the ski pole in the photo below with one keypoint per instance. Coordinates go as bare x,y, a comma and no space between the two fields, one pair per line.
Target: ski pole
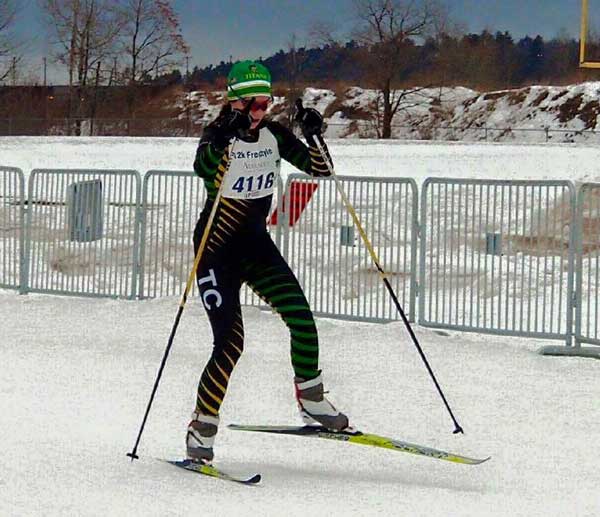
182,303
133,454
319,141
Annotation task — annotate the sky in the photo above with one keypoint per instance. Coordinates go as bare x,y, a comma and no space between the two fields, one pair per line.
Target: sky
219,29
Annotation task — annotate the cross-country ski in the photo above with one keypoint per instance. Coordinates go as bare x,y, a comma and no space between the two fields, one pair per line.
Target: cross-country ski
360,438
215,472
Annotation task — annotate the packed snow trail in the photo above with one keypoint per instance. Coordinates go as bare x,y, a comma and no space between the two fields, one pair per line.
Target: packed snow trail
76,375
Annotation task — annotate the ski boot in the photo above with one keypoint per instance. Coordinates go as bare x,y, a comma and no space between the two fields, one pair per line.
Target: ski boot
200,437
314,408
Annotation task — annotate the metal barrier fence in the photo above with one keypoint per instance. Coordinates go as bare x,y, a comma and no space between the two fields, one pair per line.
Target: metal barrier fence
331,262
165,127
445,133
497,256
83,232
587,325
12,196
172,202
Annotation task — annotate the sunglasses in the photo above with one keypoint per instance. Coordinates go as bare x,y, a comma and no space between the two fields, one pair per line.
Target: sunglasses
256,105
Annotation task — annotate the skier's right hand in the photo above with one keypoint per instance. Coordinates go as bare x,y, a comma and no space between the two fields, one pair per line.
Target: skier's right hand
230,123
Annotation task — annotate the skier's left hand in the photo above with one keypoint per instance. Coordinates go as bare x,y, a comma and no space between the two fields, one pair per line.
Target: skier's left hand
310,120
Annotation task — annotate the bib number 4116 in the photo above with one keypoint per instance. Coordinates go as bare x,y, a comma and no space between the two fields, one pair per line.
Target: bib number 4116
254,183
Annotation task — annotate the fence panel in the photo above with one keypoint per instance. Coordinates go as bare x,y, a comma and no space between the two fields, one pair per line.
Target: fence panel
172,202
588,267
328,256
83,232
497,256
12,211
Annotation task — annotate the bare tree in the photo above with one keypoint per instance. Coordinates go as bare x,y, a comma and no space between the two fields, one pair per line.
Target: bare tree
443,24
83,33
8,48
387,34
322,32
151,40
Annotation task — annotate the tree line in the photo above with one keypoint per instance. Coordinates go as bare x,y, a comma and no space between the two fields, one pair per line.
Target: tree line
481,61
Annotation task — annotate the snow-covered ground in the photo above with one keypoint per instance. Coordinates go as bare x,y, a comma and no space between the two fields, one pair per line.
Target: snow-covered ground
76,375
570,113
416,160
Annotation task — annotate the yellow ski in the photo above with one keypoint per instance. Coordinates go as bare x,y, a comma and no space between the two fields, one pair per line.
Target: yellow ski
210,470
358,437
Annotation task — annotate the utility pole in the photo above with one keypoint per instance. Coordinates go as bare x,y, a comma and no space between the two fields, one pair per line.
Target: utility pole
46,93
95,98
14,71
188,90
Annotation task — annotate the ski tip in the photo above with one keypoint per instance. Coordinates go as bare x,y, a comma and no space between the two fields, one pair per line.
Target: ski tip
474,461
212,471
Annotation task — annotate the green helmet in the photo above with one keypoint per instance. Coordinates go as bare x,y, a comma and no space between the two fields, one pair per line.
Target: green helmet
248,79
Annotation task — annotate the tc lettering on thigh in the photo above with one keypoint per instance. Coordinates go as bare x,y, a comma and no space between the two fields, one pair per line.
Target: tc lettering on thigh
210,293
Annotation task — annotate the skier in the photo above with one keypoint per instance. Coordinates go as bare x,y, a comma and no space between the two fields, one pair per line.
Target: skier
245,148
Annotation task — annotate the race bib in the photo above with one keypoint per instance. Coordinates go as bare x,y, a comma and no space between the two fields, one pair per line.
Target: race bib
254,168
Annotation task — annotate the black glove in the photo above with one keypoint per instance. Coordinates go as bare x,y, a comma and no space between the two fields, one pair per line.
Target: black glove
229,124
310,120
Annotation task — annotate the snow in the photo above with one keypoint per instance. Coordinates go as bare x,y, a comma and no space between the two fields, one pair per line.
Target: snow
461,114
446,113
417,160
74,389
535,114
77,374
